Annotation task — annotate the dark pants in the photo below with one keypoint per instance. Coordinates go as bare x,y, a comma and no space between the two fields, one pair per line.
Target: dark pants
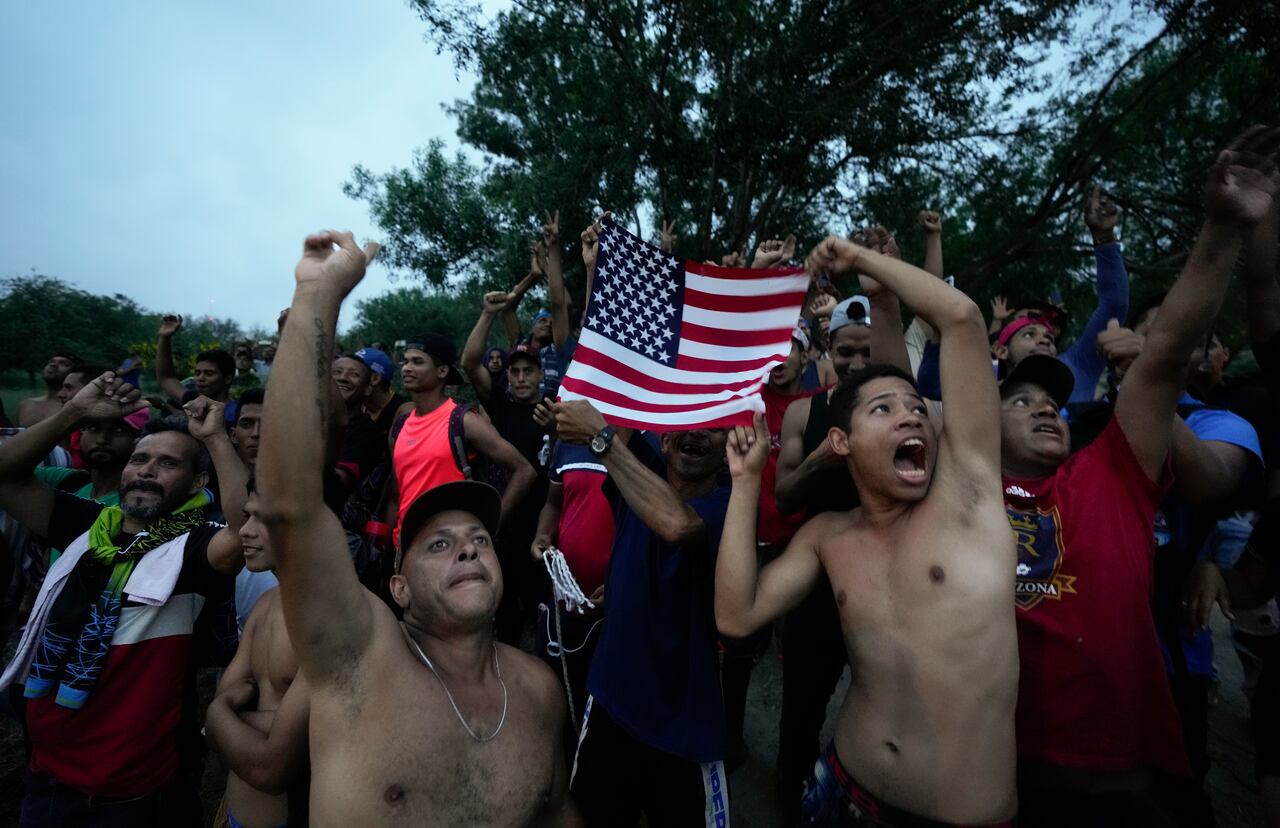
1189,800
617,778
1071,809
50,804
569,653
738,657
524,583
813,657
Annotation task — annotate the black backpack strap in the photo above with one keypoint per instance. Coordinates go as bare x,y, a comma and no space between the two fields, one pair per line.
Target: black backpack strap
458,438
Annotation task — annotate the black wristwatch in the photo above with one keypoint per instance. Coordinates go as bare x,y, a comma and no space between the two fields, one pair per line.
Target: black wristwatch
603,441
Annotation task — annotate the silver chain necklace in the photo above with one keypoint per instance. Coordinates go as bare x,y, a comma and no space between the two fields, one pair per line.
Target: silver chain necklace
502,721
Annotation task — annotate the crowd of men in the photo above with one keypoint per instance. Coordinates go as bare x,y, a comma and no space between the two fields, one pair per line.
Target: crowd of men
424,610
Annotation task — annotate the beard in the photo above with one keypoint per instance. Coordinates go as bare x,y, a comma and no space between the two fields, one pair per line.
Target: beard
149,510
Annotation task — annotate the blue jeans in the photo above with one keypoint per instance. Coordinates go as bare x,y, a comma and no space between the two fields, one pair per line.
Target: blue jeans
48,803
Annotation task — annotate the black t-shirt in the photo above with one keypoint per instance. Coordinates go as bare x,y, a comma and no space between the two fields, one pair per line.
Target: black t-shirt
514,422
387,416
835,492
364,446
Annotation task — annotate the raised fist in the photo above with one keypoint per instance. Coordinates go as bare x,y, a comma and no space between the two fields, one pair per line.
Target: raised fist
170,324
332,262
930,222
1244,180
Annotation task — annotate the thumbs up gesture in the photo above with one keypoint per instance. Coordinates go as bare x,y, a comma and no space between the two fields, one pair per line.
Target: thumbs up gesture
1119,346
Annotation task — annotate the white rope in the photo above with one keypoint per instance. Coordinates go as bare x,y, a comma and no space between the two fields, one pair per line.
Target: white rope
565,586
565,591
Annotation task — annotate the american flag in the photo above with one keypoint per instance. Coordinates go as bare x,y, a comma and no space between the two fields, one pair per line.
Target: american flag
671,344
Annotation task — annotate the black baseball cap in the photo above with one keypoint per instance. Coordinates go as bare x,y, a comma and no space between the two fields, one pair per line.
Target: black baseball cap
1050,373
472,496
440,349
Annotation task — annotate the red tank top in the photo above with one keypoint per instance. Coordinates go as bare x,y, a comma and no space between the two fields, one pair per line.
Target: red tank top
423,457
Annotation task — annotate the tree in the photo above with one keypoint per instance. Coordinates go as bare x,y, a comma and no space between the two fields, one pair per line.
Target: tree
744,120
733,119
401,313
43,314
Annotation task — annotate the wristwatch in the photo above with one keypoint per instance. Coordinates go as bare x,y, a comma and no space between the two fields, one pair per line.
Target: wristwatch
603,441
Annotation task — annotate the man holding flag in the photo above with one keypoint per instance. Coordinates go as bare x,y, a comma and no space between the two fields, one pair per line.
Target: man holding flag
682,349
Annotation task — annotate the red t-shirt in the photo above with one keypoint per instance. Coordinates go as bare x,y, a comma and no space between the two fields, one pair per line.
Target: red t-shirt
1093,693
774,527
585,533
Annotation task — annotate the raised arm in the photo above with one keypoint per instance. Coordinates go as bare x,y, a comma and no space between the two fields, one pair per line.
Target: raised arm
797,473
510,324
888,341
648,495
591,252
968,386
1261,275
746,598
1239,192
206,422
494,303
325,609
931,225
166,374
556,291
485,439
22,495
1101,217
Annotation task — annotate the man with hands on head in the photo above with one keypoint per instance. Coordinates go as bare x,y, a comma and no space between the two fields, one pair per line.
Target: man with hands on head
106,662
429,720
920,572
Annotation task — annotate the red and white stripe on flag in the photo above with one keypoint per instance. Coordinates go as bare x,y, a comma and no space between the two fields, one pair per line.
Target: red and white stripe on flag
670,344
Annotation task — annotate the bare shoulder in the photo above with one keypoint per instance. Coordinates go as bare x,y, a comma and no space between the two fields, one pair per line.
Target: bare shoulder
531,671
824,527
267,604
797,413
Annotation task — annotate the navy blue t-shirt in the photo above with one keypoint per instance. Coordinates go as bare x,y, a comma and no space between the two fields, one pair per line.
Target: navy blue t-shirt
656,671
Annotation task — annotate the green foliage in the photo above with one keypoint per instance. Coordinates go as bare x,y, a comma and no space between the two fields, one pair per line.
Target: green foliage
43,314
749,119
401,313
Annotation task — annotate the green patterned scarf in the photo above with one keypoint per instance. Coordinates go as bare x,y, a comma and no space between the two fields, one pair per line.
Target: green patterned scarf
73,646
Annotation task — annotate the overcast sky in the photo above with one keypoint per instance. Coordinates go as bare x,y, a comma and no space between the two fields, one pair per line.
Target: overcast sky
179,152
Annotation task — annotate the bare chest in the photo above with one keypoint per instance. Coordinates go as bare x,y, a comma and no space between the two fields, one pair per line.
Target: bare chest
921,575
272,660
406,758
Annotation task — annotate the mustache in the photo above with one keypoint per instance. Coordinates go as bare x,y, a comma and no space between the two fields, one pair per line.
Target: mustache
142,486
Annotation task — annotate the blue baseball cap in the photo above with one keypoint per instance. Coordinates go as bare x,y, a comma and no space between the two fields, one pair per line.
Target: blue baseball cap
378,362
541,314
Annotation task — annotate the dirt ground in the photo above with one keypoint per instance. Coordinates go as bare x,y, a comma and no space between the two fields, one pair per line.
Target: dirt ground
753,805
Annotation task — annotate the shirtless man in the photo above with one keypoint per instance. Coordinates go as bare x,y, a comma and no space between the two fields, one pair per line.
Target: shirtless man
34,409
920,571
264,743
428,721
